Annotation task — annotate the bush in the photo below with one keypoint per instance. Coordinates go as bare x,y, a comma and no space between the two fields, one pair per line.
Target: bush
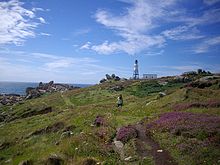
190,125
126,133
208,104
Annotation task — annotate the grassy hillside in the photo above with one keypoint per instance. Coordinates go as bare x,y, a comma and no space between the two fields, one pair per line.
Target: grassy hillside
61,125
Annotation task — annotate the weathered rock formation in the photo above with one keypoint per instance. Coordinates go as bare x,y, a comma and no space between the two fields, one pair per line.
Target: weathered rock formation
46,88
113,77
42,88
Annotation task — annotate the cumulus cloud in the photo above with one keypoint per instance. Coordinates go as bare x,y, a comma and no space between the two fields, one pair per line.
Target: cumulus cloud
206,45
17,22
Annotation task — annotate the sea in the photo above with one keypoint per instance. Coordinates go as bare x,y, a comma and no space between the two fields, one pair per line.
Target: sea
20,87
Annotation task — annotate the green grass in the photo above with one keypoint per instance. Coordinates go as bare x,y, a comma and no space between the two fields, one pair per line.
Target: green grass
80,107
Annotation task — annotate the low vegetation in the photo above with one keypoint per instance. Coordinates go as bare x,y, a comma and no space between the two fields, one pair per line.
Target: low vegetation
162,121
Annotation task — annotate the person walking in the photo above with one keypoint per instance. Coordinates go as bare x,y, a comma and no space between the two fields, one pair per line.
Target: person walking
120,101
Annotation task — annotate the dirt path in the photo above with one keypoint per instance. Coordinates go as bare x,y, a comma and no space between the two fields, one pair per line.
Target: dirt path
160,158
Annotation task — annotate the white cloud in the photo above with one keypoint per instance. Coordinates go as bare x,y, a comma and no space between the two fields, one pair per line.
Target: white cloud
182,33
210,16
17,22
45,34
131,46
154,53
58,64
138,25
86,46
211,2
46,67
37,9
132,27
206,45
42,20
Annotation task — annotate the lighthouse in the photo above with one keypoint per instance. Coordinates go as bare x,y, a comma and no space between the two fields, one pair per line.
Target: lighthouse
136,73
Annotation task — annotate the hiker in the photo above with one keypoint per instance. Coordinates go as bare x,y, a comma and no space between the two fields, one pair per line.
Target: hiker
120,101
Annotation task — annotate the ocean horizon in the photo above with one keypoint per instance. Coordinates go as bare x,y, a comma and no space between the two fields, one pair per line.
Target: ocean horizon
10,87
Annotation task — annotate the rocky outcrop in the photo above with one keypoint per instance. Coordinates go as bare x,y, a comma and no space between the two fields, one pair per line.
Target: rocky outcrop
46,88
10,99
111,78
42,88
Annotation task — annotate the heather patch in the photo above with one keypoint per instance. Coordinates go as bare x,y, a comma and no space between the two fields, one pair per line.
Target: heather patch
208,104
200,126
189,135
99,121
126,133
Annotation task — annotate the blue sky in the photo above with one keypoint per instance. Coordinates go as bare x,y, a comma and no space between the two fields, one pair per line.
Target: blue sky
80,41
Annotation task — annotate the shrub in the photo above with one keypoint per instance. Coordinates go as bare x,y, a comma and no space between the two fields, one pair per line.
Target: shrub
126,133
200,126
208,104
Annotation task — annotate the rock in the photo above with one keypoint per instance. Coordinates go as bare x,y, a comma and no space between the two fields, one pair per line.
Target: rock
117,78
108,77
162,94
4,101
117,88
66,134
54,160
159,150
51,83
25,162
29,89
40,84
34,93
128,158
119,148
118,144
103,80
113,76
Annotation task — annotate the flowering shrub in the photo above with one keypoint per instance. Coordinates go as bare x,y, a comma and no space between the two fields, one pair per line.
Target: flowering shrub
208,104
126,133
99,121
200,126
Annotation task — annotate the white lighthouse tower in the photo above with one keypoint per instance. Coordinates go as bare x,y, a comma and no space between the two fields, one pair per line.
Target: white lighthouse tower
136,73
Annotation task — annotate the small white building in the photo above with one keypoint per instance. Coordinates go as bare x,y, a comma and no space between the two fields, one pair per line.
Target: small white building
149,76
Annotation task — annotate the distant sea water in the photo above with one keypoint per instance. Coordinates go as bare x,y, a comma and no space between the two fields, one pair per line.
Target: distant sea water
20,87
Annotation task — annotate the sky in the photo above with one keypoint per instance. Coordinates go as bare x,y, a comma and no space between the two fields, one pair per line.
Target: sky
79,41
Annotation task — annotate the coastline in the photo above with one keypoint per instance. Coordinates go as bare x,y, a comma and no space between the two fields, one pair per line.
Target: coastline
13,87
